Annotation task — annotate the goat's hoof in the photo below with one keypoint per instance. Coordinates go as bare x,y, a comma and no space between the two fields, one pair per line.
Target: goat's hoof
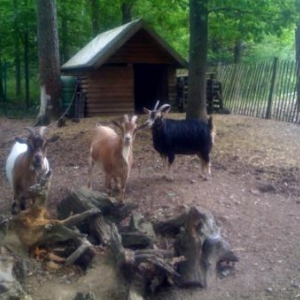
206,177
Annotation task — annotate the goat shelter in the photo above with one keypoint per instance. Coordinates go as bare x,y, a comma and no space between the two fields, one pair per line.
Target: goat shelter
124,69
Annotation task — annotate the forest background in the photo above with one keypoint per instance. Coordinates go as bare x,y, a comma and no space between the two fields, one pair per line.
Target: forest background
238,31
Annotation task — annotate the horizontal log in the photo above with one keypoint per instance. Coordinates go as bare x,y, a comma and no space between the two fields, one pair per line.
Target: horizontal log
110,98
109,105
96,113
136,240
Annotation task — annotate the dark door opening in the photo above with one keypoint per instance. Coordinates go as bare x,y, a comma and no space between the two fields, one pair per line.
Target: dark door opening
150,85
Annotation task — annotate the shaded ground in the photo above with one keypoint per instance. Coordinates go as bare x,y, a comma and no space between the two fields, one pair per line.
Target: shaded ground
254,195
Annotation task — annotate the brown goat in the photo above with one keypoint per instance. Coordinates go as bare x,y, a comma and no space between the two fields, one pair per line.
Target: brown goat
114,152
28,165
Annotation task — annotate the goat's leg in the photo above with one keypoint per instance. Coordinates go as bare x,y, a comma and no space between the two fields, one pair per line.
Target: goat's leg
90,172
116,183
123,188
108,186
168,165
205,167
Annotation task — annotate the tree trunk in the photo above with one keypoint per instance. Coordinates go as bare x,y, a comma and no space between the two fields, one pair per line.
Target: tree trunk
238,51
26,67
196,106
297,40
126,7
48,53
95,6
1,80
17,51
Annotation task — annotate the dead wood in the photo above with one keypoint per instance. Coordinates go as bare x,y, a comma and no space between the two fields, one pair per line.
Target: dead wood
136,240
171,227
84,199
98,228
202,246
146,268
34,227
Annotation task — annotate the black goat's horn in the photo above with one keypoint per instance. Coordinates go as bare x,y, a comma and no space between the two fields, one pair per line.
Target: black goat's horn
156,105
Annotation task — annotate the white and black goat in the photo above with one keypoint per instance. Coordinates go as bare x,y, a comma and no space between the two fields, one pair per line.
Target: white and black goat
27,165
114,152
190,137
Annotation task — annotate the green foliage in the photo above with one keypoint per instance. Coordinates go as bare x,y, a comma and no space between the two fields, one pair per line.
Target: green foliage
266,28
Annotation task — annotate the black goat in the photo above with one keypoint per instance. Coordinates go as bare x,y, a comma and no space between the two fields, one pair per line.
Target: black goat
188,137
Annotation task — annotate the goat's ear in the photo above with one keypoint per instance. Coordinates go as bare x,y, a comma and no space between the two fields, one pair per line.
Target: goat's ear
164,109
53,139
117,123
146,110
42,130
141,126
20,140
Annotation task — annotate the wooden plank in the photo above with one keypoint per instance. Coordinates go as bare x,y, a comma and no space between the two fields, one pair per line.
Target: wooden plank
109,105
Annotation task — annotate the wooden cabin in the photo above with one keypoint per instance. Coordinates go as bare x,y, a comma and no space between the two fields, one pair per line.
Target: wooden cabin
124,69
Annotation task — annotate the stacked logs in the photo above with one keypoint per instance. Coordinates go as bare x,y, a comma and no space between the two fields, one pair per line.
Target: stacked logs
197,254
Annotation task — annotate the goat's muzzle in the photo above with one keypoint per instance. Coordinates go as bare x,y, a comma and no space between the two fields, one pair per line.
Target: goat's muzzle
127,139
38,162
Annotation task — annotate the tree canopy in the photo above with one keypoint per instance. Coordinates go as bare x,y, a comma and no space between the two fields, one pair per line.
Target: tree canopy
250,24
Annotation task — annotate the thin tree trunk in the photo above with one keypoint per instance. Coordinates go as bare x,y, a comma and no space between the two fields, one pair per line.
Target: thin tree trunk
297,39
65,53
126,8
238,51
196,106
26,67
17,51
1,81
95,5
48,53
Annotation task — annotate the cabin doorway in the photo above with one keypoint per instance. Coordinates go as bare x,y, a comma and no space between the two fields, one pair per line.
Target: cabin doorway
150,85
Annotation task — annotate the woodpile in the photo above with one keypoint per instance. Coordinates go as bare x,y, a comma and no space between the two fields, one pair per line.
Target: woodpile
193,254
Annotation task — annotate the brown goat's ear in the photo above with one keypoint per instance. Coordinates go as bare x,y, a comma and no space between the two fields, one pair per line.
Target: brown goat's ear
146,110
116,123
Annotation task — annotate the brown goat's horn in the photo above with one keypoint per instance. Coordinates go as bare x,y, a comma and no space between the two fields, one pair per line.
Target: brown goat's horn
156,105
42,130
126,118
31,130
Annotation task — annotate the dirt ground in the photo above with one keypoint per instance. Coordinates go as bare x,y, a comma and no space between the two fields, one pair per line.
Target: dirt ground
254,195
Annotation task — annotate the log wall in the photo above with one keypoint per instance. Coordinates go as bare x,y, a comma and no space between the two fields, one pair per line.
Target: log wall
110,90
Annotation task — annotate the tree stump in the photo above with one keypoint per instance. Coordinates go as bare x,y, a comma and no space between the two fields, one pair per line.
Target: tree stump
198,239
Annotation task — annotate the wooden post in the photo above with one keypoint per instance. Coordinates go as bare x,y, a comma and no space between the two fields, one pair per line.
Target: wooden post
272,87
